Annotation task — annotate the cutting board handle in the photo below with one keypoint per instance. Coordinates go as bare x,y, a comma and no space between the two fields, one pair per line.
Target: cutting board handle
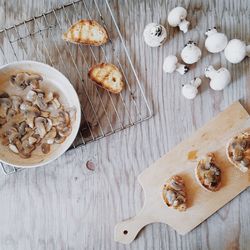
126,231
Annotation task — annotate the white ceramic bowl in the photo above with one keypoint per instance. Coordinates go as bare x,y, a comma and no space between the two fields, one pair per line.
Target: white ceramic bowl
68,97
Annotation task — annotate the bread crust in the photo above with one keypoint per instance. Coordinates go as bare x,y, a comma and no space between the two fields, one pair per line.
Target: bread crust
107,76
76,35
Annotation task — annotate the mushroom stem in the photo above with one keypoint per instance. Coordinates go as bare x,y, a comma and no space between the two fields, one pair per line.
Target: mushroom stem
196,82
183,25
210,71
181,68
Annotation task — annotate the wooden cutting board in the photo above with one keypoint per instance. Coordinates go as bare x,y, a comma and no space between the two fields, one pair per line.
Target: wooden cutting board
201,204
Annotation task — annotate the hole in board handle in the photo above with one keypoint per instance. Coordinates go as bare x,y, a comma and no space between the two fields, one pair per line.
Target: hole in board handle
125,232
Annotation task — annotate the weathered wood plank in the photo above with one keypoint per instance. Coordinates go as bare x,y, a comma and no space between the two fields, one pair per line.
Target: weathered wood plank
65,206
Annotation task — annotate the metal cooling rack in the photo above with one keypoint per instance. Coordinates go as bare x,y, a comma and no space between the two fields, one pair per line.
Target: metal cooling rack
39,38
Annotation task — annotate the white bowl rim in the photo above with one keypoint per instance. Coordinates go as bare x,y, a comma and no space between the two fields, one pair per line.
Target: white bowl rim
73,133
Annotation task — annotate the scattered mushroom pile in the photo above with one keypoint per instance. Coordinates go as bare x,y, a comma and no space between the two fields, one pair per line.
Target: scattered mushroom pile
235,51
36,120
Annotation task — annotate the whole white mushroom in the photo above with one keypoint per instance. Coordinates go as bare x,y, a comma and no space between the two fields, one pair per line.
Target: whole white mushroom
171,64
190,90
219,78
154,34
190,53
236,51
216,41
177,17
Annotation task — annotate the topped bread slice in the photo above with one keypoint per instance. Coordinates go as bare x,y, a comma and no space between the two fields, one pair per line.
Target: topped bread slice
174,193
107,76
238,151
208,174
88,32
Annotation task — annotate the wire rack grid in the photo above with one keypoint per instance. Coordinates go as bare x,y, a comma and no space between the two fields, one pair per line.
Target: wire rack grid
39,38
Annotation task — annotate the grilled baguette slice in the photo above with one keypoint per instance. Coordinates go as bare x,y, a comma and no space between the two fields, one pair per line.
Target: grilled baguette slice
87,32
208,174
107,76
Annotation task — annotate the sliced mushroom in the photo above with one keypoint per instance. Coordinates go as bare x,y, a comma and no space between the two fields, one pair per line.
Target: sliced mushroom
56,103
171,196
40,101
34,84
50,136
32,140
48,124
45,148
5,104
59,139
24,148
13,148
61,120
40,124
16,102
31,96
31,112
49,97
22,128
29,133
19,80
22,80
176,185
238,153
12,134
65,131
25,106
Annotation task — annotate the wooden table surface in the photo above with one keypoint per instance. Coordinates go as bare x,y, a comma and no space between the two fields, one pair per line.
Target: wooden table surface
66,206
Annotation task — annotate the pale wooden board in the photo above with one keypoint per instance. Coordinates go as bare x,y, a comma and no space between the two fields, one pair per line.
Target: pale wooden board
201,204
65,206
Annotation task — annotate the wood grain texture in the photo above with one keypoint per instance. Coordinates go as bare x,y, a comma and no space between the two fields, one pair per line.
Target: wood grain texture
66,206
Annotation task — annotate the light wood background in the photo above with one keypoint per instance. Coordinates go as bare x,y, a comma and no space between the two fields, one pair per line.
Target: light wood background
66,206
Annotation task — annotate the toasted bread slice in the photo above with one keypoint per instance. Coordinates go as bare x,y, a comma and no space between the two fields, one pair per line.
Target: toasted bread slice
174,193
87,32
208,174
238,151
107,76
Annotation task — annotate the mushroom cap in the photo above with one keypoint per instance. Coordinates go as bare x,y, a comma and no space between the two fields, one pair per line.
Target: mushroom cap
189,91
216,42
169,65
220,79
176,15
190,53
154,34
235,51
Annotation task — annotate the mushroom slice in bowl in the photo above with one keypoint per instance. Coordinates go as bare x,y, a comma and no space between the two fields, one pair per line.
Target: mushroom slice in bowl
174,193
238,151
208,174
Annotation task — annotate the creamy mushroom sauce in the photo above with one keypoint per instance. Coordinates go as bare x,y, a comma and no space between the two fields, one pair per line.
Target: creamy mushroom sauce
50,126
